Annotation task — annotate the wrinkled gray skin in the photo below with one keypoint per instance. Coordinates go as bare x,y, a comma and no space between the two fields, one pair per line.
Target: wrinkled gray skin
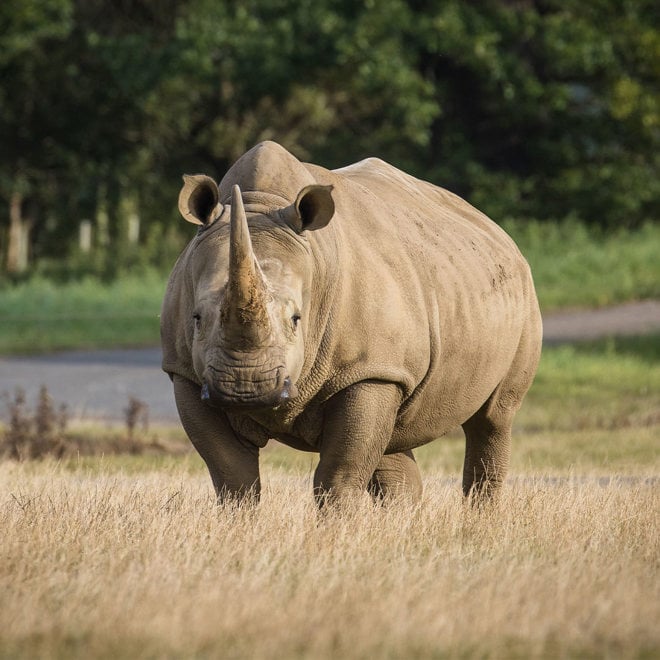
358,313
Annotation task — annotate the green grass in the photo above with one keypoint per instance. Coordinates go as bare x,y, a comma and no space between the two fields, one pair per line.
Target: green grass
610,384
40,315
573,266
578,266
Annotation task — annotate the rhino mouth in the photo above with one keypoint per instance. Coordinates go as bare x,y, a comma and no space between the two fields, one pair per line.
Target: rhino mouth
247,387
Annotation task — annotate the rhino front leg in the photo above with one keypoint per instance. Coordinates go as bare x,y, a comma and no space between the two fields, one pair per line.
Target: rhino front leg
396,475
233,462
357,429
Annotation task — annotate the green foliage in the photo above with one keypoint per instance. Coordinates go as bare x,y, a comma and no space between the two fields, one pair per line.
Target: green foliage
528,110
533,121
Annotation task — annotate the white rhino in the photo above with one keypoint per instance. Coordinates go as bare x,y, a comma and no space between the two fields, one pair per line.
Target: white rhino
358,313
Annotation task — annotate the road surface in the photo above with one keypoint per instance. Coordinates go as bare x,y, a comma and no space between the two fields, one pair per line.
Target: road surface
97,384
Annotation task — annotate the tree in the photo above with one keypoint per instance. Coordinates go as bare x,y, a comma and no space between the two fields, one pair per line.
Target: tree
533,108
547,109
72,113
26,29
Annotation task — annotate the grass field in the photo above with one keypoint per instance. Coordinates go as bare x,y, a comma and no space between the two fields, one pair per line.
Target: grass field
572,266
40,315
128,556
106,565
575,266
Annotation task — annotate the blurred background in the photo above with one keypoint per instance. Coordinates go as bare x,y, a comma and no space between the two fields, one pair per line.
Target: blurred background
543,114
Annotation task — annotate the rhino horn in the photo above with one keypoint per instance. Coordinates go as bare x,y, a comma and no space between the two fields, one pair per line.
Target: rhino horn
244,313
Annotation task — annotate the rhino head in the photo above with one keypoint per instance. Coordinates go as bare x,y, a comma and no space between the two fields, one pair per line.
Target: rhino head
251,285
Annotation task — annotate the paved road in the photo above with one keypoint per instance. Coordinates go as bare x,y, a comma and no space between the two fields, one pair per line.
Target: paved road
635,318
97,385
94,384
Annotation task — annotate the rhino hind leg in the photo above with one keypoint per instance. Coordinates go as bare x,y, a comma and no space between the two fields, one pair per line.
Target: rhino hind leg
487,450
488,431
397,475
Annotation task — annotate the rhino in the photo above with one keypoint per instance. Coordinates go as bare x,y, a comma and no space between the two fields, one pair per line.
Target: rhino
357,313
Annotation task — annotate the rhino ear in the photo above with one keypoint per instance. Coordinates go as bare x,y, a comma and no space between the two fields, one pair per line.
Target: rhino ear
198,199
314,208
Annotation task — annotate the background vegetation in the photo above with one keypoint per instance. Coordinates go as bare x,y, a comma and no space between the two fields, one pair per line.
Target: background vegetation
537,109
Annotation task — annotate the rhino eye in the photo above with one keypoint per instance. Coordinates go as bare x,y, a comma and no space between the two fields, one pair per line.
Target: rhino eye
295,319
198,320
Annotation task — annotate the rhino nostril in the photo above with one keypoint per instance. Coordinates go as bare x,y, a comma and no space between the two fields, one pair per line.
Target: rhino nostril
289,390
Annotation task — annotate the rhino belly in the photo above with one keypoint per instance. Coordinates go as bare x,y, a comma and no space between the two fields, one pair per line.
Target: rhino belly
437,412
459,380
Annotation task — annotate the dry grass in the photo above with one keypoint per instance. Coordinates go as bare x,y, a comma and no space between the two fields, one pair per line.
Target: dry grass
122,554
43,431
146,566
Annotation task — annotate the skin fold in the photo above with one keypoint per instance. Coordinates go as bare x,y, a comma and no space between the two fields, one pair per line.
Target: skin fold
357,313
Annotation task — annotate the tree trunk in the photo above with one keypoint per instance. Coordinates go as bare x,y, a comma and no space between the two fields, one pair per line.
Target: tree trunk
18,240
